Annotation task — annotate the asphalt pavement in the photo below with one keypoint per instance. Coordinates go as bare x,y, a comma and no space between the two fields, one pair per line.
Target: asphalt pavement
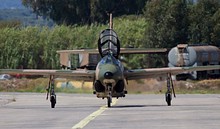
75,111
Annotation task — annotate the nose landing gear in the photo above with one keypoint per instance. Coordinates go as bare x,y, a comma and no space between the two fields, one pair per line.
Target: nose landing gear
51,92
109,97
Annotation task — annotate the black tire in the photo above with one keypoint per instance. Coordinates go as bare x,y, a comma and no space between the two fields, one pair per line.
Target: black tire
109,101
53,101
168,99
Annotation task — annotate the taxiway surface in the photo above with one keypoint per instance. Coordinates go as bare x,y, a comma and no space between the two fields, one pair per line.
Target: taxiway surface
31,110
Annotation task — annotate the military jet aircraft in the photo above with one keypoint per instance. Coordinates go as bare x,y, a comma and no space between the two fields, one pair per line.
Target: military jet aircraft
110,79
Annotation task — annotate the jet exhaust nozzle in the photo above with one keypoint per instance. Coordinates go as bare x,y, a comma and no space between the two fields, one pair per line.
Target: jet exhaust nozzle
108,75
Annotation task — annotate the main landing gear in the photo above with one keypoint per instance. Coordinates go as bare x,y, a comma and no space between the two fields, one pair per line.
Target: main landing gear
51,92
170,89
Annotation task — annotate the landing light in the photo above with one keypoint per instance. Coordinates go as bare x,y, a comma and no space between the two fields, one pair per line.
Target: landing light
108,75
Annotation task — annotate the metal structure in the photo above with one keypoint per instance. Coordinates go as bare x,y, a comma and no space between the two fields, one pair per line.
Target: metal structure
184,55
89,58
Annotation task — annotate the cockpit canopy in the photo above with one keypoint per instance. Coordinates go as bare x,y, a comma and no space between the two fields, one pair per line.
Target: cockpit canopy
109,43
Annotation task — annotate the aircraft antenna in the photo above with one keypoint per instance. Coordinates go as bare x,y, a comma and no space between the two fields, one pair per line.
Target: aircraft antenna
110,21
110,27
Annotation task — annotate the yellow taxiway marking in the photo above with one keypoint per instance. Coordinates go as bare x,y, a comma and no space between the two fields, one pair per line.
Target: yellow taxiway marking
92,116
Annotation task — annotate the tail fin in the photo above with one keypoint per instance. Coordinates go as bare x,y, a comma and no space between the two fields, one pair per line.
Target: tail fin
110,21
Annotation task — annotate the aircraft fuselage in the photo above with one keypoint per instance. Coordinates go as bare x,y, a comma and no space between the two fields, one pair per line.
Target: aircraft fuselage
109,73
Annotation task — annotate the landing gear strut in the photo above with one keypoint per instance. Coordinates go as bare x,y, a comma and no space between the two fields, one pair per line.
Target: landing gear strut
109,97
51,92
170,88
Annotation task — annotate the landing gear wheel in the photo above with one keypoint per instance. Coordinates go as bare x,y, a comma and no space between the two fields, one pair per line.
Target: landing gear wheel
168,99
53,101
109,101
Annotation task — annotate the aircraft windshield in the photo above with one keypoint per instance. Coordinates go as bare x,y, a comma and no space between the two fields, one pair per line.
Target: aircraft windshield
109,43
109,60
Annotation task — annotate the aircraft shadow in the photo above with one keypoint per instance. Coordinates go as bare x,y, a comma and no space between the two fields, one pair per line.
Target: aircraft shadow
133,106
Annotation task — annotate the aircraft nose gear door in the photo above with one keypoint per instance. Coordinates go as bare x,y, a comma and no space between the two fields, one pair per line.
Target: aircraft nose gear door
109,43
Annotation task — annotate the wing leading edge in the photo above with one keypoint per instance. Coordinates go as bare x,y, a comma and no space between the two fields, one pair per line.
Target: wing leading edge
159,72
87,75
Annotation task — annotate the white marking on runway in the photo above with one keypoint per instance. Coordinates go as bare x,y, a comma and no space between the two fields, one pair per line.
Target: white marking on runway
92,116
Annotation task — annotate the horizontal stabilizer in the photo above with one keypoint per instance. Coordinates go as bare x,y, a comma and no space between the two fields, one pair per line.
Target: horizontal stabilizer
122,51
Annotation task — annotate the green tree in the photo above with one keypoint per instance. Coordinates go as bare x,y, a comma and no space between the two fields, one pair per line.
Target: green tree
168,23
168,26
216,29
61,11
204,22
35,47
83,11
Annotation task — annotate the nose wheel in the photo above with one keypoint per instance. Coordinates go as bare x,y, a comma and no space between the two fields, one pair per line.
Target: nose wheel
109,97
109,101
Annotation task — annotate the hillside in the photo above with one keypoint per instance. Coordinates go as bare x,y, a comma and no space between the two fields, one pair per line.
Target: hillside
11,4
14,10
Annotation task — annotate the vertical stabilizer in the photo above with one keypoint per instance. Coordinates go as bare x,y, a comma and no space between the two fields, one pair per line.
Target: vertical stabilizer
110,21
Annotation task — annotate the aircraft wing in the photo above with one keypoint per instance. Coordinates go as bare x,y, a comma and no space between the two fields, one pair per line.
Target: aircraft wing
159,72
87,75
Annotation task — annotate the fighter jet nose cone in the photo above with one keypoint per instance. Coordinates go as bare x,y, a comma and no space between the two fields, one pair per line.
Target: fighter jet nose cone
108,75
